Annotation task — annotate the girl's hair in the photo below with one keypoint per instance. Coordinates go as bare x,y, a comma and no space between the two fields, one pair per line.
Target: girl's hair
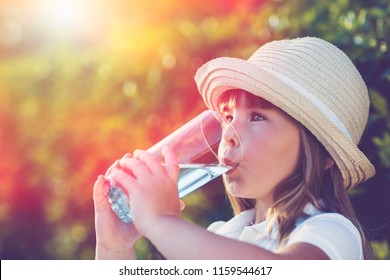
311,182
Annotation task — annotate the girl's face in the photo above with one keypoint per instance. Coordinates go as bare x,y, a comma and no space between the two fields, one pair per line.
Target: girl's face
270,141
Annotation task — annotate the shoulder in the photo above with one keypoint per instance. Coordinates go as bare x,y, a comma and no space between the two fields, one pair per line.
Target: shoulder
214,227
332,233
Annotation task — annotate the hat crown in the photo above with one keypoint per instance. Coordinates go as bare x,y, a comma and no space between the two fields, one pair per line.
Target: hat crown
325,72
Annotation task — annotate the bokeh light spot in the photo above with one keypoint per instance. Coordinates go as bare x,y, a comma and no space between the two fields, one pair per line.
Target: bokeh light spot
130,89
187,28
273,21
358,40
169,61
79,233
383,47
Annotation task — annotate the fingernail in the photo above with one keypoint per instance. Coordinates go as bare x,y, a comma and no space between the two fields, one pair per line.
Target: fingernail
106,186
136,153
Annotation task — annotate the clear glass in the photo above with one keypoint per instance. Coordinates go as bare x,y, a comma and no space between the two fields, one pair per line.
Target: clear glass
195,144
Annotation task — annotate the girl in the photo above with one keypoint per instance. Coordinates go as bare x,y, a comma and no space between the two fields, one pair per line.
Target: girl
299,107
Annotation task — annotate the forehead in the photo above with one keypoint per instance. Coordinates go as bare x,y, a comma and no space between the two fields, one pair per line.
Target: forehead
238,97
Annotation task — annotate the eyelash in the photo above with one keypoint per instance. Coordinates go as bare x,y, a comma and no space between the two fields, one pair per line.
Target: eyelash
228,118
253,114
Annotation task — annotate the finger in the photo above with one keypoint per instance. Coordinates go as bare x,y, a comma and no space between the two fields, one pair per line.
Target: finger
134,167
150,161
182,205
128,155
172,165
112,167
99,190
116,164
123,179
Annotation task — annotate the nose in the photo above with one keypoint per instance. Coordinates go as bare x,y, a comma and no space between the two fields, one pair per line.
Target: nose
231,140
231,137
231,148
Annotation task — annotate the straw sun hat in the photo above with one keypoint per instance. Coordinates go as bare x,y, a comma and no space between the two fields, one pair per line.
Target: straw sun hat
311,80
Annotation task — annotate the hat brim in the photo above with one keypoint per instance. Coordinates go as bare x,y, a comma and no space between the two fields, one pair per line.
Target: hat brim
222,74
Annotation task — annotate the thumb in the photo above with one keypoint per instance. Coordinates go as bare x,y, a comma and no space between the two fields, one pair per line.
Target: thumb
182,205
99,194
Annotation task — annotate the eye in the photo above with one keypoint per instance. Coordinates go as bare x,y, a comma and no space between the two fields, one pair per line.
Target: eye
225,117
256,117
228,118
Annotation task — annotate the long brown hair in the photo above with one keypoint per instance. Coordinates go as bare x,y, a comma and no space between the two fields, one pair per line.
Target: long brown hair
312,182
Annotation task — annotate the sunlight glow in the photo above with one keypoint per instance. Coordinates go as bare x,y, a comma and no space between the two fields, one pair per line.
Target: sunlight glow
64,14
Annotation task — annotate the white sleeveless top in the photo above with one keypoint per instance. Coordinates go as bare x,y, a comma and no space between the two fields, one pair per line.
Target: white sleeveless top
331,232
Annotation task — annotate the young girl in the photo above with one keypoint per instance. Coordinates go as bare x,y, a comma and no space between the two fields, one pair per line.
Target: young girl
299,107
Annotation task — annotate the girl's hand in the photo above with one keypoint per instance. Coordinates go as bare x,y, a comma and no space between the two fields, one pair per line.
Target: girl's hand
152,187
114,239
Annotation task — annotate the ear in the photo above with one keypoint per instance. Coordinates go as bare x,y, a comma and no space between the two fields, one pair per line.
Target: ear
329,163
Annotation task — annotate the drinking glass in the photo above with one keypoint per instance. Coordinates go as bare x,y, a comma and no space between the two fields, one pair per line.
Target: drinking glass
196,146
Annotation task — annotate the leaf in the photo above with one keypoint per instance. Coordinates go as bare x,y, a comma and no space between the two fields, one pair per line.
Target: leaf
381,250
383,145
377,12
379,103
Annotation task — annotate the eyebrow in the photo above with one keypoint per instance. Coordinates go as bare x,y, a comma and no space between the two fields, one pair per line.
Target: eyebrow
262,105
224,108
232,98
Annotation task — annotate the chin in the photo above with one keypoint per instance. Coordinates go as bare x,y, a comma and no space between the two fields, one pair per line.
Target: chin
234,189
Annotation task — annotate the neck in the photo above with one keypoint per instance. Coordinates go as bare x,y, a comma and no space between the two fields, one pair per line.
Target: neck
261,211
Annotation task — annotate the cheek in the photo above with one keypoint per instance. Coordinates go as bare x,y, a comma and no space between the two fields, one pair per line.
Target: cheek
274,158
289,151
258,156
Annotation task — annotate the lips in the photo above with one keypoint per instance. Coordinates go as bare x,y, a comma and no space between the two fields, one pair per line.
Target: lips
231,170
231,163
231,157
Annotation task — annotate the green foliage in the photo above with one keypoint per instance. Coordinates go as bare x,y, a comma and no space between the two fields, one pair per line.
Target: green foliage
379,103
383,145
73,102
381,250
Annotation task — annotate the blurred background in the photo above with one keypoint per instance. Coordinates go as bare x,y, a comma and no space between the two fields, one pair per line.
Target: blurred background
82,82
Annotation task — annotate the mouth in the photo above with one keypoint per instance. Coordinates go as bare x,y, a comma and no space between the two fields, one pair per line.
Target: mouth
230,163
231,170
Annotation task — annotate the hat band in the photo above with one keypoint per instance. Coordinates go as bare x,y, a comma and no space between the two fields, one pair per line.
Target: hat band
327,112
